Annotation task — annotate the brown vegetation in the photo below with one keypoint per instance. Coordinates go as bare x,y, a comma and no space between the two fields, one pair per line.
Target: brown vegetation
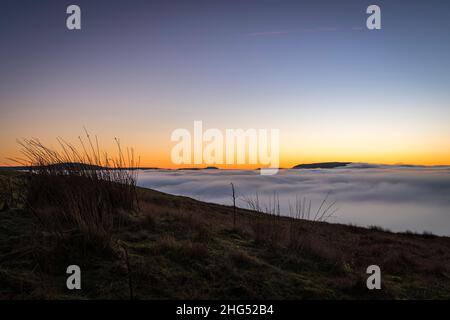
69,190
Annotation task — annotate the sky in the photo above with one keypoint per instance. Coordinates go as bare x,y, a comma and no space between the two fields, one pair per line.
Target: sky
140,69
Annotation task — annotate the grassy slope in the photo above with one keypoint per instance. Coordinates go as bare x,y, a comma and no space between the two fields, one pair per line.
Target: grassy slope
182,248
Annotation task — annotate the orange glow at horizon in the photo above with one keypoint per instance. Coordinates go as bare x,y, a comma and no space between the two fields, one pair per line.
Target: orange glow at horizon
153,144
160,157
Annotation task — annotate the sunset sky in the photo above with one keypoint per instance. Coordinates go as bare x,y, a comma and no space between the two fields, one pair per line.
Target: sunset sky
140,69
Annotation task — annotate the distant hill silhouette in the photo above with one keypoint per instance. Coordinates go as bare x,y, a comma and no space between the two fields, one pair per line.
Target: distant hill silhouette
73,165
69,165
57,166
206,168
321,165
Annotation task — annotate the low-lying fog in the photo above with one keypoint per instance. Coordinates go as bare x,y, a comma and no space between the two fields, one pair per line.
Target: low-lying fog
399,198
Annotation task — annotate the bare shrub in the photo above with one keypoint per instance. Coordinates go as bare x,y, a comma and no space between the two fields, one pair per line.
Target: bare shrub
268,227
265,223
302,210
79,189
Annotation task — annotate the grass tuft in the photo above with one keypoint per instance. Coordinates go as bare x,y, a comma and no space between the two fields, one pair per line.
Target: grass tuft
80,189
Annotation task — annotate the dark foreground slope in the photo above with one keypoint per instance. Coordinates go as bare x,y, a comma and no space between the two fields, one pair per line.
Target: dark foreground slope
185,249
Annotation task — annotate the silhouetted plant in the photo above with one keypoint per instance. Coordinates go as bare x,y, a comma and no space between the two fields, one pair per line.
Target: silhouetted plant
268,228
72,189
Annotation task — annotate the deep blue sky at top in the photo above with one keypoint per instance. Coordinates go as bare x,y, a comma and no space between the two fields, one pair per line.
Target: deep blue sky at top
270,62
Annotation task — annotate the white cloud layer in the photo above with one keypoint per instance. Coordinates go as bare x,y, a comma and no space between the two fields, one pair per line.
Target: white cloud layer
396,197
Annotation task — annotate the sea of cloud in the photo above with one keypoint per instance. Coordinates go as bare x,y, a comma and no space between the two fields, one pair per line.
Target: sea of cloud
396,197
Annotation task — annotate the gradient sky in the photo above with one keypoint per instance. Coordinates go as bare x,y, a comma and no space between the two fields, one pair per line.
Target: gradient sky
140,69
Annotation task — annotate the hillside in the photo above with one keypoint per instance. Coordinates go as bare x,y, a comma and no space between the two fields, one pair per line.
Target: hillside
181,248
